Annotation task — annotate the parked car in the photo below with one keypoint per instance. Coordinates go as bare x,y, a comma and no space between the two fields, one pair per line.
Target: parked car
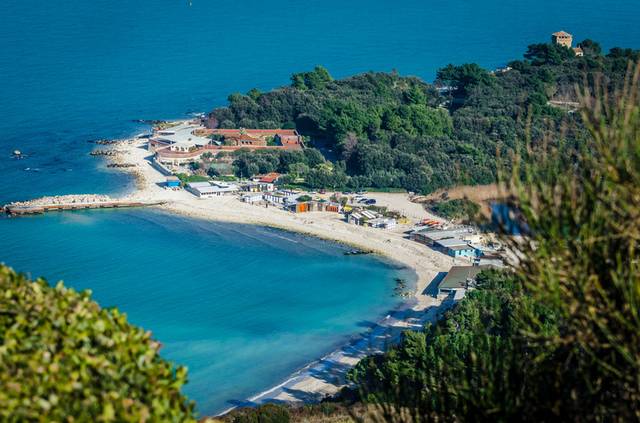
370,202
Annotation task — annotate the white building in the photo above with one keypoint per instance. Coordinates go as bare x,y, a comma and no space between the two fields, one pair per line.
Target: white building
383,223
361,217
211,189
252,198
281,197
258,187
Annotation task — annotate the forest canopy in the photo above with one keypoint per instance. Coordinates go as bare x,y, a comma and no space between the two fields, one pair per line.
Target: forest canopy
385,130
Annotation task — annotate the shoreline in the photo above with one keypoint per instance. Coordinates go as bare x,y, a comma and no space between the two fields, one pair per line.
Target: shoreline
325,376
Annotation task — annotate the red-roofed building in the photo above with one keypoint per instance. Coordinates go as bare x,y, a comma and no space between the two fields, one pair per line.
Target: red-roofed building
269,178
259,137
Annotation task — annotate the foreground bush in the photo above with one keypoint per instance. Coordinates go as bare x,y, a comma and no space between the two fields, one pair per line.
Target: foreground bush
558,339
63,358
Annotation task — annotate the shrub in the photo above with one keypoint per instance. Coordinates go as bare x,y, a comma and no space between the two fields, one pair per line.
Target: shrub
268,413
63,358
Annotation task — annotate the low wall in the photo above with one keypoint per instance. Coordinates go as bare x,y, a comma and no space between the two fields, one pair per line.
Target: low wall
160,167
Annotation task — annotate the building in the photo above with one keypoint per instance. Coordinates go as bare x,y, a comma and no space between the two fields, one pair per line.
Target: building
252,198
329,206
562,38
172,182
211,189
180,138
301,207
429,236
281,197
460,278
361,217
565,39
383,223
186,142
258,187
455,247
284,138
461,251
269,178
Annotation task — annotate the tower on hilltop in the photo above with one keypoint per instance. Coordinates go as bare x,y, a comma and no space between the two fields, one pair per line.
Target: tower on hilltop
562,38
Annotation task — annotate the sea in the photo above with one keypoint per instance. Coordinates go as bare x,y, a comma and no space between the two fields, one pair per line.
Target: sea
241,306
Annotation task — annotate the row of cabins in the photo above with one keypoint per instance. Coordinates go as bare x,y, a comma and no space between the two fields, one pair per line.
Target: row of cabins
288,200
259,185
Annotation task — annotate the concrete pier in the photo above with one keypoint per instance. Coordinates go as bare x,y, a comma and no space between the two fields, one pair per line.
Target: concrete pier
73,202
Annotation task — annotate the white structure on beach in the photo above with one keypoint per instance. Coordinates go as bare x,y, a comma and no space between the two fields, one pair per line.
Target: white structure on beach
180,138
211,189
383,223
281,197
252,198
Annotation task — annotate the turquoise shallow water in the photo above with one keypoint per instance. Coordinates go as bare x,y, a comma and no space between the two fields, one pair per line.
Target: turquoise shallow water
241,306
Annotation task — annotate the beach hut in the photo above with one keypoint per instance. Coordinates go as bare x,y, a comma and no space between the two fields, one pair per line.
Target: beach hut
172,182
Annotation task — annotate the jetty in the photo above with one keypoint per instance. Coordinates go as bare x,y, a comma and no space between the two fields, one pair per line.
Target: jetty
73,202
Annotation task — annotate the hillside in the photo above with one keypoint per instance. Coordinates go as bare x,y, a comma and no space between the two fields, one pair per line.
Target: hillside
384,130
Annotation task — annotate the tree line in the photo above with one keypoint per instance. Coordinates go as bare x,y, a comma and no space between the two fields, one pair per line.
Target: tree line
385,130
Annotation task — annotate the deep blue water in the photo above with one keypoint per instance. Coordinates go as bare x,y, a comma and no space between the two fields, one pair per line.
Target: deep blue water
75,70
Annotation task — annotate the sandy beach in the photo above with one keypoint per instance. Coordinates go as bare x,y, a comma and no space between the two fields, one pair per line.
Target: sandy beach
325,376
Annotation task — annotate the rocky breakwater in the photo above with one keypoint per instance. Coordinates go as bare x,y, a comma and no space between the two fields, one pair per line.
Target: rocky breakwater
103,153
71,202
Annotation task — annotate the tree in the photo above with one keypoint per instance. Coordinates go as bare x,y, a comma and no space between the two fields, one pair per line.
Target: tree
590,47
548,54
463,78
557,338
64,358
316,79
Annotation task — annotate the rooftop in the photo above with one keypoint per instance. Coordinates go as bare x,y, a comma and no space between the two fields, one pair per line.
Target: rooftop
182,134
452,242
458,276
269,177
435,234
254,132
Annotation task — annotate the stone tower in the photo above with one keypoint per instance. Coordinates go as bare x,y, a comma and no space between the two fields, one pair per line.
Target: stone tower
562,38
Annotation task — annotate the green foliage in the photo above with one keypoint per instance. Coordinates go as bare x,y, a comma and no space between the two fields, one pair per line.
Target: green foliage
63,358
185,179
548,54
316,79
388,131
459,369
558,339
464,78
581,259
456,209
268,413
